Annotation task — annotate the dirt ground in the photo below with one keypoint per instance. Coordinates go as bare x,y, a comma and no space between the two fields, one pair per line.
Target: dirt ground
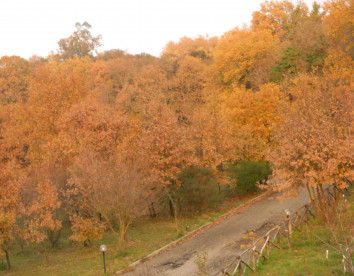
222,242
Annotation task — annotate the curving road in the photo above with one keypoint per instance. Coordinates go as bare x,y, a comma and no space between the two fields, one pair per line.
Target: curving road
220,243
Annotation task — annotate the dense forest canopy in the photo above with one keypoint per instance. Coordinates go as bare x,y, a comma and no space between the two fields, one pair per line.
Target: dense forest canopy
91,139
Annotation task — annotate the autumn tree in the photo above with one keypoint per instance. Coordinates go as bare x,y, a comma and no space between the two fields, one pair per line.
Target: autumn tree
200,47
10,208
107,188
166,143
313,143
253,116
53,88
115,76
80,44
41,214
14,79
338,24
113,188
213,138
238,53
86,229
273,16
91,125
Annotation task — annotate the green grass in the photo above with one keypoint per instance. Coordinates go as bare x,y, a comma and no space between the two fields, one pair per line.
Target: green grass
144,236
307,255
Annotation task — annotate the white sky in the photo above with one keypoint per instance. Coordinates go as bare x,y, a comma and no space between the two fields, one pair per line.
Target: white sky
30,27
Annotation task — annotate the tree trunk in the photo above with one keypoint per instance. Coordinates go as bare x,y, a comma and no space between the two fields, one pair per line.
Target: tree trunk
87,243
45,253
175,211
313,199
320,199
8,259
172,212
123,228
54,237
152,210
319,208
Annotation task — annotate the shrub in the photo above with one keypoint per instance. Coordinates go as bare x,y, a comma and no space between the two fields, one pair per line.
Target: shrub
197,191
86,229
246,174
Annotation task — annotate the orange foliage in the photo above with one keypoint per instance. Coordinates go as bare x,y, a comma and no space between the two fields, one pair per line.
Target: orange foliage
273,16
313,145
166,144
86,229
339,24
237,54
253,116
14,80
10,206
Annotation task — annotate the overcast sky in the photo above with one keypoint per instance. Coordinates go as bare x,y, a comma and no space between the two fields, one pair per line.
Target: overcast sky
30,27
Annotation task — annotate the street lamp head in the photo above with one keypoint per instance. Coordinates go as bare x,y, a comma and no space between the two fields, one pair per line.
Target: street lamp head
103,248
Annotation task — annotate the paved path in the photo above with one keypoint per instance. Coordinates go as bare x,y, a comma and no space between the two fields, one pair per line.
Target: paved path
221,243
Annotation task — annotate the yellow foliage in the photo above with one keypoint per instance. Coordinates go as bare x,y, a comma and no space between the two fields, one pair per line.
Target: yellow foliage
237,54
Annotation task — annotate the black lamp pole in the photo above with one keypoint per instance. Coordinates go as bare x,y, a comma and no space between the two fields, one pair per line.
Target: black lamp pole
104,262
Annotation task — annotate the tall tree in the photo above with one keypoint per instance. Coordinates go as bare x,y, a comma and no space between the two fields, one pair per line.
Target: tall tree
81,43
313,143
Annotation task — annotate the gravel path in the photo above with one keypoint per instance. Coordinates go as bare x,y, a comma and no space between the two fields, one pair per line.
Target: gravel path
220,243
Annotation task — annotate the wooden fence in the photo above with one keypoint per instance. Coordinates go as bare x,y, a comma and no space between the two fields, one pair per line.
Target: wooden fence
261,247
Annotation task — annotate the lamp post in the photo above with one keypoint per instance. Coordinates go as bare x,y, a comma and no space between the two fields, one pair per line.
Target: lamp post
103,249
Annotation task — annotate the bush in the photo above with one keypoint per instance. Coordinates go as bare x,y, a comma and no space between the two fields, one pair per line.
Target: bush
198,190
246,174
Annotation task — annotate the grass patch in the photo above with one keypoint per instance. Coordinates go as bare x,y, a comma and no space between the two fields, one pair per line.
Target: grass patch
145,236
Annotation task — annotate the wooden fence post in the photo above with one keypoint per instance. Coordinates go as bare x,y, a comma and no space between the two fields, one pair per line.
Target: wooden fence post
267,249
306,213
290,231
254,260
240,269
278,239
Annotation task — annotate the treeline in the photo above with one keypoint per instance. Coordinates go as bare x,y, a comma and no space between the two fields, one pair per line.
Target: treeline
93,140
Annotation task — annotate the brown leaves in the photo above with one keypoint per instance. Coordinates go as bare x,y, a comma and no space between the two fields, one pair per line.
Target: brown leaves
166,145
41,212
10,205
313,143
